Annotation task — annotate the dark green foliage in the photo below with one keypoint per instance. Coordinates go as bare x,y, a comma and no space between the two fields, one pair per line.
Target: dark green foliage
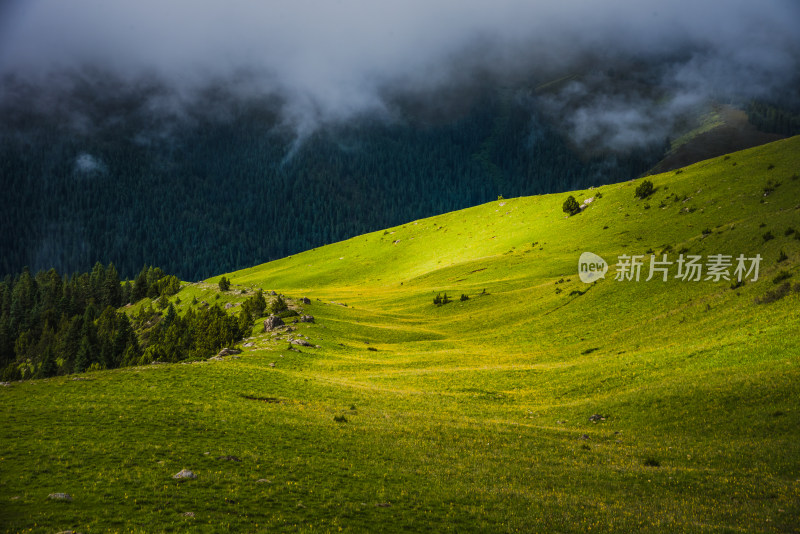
440,299
464,297
781,276
152,203
340,418
278,305
775,294
195,336
224,284
772,119
768,236
571,206
255,305
651,462
782,256
287,313
770,187
51,325
645,189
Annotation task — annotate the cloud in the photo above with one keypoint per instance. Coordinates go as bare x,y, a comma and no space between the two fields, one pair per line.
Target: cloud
88,165
333,61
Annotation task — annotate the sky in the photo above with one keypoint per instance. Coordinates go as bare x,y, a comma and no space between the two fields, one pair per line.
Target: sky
331,61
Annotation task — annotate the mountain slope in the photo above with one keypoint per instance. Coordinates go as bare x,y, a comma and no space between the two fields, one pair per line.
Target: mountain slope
477,415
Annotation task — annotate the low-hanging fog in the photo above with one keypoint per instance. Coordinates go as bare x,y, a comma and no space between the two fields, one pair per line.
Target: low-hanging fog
329,62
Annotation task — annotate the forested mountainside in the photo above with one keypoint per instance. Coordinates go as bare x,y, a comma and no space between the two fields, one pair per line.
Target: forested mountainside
105,174
211,194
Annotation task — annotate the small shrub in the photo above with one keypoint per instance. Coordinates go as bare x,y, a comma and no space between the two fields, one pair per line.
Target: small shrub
645,189
782,256
651,462
440,299
224,284
768,236
278,305
340,418
707,231
775,294
770,167
789,231
372,349
770,187
781,276
464,297
571,206
679,171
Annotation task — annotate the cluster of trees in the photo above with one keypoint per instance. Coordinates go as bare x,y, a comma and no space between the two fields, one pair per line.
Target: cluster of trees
54,325
197,334
51,324
773,119
219,195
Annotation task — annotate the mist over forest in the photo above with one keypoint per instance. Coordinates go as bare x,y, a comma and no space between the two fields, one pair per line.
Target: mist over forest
205,138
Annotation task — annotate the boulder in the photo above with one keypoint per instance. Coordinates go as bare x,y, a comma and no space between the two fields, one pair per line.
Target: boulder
306,300
307,319
273,293
184,473
272,322
228,352
60,496
301,342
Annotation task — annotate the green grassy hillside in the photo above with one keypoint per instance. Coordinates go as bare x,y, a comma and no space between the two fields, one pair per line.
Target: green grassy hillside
471,416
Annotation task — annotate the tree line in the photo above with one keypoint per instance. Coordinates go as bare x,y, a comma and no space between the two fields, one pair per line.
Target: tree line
54,325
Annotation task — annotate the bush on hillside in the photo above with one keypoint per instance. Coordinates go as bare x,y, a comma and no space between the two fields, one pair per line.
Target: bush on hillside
571,206
645,189
224,284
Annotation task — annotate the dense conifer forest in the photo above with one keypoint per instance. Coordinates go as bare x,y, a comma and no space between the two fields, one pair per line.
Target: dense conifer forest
55,325
100,179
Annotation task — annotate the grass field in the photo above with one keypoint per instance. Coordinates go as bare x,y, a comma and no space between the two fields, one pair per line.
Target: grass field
473,415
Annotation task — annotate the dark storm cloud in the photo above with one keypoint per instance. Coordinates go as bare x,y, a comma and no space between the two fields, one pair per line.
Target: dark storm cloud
333,60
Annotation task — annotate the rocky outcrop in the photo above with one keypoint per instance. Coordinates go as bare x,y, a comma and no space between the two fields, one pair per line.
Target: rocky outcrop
272,322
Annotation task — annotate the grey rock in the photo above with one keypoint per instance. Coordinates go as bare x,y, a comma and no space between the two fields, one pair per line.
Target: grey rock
306,300
60,497
184,473
272,322
307,319
228,352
